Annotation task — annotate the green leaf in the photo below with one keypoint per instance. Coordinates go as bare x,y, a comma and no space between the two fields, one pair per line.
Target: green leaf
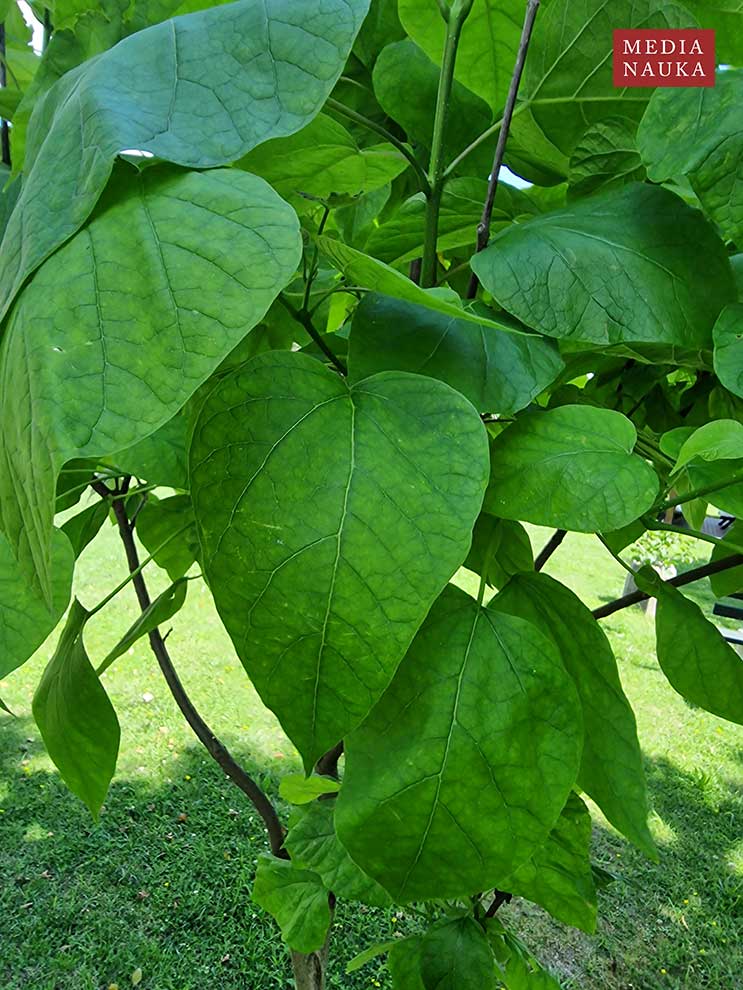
327,541
698,132
497,371
77,721
400,238
164,607
123,323
298,789
381,26
160,520
359,961
728,582
558,877
723,16
571,467
487,48
296,899
500,548
313,845
429,768
8,196
702,474
605,157
246,71
568,80
25,619
721,439
611,769
727,334
401,69
362,269
404,964
456,955
621,266
320,160
692,653
161,458
84,527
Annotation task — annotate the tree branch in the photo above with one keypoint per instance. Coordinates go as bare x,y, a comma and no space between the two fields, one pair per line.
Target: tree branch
327,765
457,15
549,548
483,228
219,753
304,318
688,577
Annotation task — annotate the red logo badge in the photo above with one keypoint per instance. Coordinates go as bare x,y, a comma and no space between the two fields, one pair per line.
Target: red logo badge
664,58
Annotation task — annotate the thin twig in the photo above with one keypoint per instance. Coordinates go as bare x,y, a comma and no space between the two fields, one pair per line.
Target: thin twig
5,140
483,228
549,548
688,577
214,747
306,321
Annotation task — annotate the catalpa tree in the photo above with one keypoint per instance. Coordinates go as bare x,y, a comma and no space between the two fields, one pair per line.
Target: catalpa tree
267,305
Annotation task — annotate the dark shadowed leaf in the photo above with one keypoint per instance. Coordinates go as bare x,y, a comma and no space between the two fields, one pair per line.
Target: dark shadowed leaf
77,721
456,955
728,338
497,371
500,548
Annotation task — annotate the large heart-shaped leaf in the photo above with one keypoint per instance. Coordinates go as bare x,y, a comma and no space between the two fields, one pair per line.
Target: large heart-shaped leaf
200,90
330,519
25,619
698,132
570,467
123,323
498,372
568,81
455,954
77,721
621,266
611,765
460,772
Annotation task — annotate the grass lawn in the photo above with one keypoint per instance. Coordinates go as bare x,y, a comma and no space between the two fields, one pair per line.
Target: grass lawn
162,883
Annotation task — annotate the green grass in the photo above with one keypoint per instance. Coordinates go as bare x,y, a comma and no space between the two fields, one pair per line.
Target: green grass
83,906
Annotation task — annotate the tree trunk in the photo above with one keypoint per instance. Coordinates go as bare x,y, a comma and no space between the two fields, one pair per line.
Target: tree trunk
309,970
